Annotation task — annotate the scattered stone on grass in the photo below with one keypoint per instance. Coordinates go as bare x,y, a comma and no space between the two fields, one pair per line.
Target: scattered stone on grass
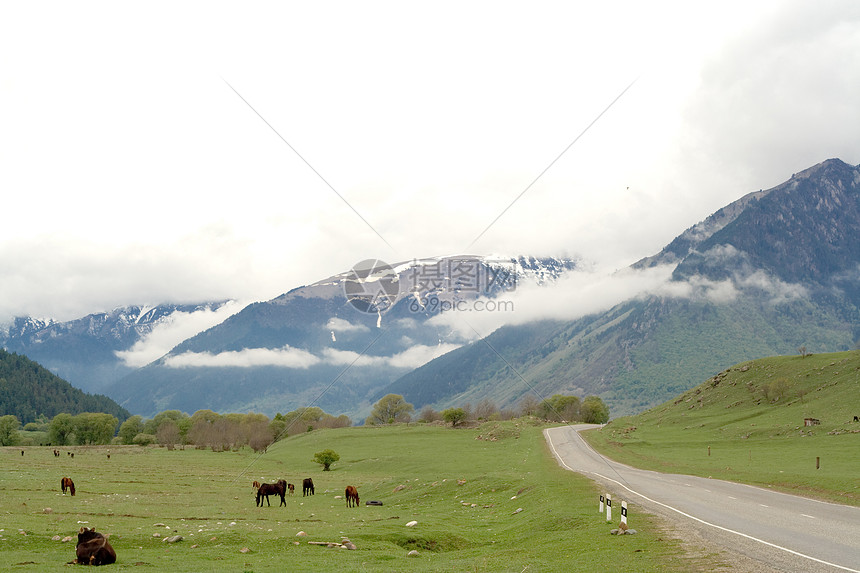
412,523
519,509
413,553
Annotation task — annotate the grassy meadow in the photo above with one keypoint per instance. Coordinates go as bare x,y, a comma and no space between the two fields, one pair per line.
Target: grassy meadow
746,424
143,494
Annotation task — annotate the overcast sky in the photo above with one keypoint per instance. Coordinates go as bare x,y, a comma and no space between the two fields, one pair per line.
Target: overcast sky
158,152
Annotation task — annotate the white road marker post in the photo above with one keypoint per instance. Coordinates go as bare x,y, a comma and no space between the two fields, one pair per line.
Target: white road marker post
624,512
600,509
608,507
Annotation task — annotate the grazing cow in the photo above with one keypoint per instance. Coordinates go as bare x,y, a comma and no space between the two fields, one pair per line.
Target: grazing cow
93,548
268,489
292,488
307,487
351,496
67,483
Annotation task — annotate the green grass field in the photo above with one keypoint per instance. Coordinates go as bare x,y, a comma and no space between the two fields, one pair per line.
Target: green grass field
728,428
207,498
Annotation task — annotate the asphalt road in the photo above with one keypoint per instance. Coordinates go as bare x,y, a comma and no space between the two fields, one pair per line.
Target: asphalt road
780,532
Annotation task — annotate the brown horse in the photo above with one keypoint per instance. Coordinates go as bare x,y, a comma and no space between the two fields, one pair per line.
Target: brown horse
255,485
292,488
93,548
351,496
67,483
268,489
307,487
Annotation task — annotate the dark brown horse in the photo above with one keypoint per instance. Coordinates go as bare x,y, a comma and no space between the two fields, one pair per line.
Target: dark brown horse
67,483
268,489
351,496
93,548
307,487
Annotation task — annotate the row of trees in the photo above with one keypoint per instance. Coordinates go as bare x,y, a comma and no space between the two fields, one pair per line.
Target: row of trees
221,432
393,408
170,428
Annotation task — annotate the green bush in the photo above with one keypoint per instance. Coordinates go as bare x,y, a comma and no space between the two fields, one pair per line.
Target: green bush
144,439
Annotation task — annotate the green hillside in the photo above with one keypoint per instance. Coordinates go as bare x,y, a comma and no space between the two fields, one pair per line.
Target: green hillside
27,390
747,424
633,356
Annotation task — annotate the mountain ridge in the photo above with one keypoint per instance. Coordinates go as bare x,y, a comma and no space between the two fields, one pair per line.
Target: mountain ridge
732,302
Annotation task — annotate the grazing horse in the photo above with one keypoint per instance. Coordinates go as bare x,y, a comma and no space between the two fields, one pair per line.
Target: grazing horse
255,485
351,495
307,487
93,548
67,483
56,454
268,489
292,488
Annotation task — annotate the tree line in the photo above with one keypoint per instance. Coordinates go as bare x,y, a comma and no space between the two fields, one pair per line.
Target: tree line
171,428
225,432
393,408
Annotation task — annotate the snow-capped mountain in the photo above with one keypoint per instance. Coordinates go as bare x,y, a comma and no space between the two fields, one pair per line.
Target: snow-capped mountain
358,330
88,351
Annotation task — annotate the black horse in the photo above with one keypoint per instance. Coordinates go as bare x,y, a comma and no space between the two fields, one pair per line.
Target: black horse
267,489
307,487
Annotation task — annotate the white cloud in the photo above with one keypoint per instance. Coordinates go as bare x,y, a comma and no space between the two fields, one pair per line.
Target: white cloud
572,296
340,325
412,357
349,357
165,186
779,291
177,327
287,357
582,293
